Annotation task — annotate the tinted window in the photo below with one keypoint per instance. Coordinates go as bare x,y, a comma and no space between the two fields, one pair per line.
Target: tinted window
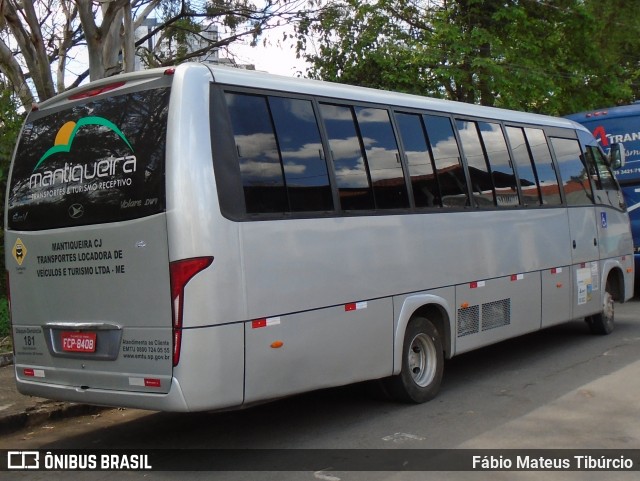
305,169
539,148
446,155
102,161
348,159
606,180
524,165
504,179
426,192
481,182
383,158
280,154
573,171
260,167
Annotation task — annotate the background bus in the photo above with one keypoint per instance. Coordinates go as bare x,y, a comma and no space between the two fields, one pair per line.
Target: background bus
201,237
621,125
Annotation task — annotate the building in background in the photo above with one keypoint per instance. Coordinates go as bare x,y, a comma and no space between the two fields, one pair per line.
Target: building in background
192,43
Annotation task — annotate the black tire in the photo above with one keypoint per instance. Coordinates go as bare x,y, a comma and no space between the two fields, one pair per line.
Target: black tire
603,322
422,364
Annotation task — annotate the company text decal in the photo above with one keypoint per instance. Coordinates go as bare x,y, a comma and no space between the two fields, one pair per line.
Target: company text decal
103,174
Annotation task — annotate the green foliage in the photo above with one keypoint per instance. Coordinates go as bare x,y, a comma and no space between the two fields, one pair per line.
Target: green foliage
10,123
4,320
555,57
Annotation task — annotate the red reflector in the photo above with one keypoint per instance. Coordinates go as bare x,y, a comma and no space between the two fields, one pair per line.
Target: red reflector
181,273
473,285
356,306
29,372
258,323
150,382
96,91
170,71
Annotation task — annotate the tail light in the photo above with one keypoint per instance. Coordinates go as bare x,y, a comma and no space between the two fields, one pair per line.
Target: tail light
181,273
8,286
85,94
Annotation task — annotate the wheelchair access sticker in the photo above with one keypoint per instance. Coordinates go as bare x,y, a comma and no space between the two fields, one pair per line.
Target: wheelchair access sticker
603,220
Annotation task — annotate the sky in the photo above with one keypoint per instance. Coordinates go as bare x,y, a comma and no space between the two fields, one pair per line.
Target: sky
273,57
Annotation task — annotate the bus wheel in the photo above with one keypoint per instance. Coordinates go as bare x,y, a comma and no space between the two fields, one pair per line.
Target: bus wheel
422,364
603,322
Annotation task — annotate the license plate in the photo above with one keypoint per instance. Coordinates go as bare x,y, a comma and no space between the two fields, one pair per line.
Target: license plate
79,341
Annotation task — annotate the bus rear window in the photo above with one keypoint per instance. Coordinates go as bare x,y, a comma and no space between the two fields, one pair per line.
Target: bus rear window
102,161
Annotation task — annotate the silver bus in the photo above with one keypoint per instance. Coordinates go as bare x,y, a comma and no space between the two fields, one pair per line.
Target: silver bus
200,238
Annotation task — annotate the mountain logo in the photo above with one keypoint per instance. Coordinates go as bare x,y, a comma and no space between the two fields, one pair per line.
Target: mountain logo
67,133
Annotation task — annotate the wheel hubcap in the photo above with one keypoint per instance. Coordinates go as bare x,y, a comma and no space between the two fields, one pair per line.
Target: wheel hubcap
422,360
607,307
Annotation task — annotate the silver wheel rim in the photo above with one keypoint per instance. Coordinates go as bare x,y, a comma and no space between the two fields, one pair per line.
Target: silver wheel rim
422,360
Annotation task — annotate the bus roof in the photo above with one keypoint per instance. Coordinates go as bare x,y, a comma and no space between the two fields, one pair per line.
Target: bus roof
257,79
248,78
631,110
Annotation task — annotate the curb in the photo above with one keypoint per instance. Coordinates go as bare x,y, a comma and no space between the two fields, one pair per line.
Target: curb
45,411
42,411
6,358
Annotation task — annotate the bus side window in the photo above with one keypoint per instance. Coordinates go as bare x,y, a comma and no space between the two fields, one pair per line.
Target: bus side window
349,162
479,174
504,179
547,178
590,162
303,159
383,158
524,166
573,170
446,156
607,181
260,166
426,191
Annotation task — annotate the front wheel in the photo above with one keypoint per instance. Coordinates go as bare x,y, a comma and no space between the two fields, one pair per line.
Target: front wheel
603,322
422,364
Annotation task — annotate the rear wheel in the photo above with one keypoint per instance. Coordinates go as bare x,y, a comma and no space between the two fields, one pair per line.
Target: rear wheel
603,322
422,364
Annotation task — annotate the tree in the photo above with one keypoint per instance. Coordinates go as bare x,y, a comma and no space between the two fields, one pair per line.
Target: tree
556,56
41,36
10,123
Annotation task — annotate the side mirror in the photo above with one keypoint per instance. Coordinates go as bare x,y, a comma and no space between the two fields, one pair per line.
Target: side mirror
616,156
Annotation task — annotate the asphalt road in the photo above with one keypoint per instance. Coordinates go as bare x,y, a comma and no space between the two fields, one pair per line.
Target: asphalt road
559,388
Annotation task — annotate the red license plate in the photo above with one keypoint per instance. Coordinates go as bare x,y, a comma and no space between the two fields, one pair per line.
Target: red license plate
79,341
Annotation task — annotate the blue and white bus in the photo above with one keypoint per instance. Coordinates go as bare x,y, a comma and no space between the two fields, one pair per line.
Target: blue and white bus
621,125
